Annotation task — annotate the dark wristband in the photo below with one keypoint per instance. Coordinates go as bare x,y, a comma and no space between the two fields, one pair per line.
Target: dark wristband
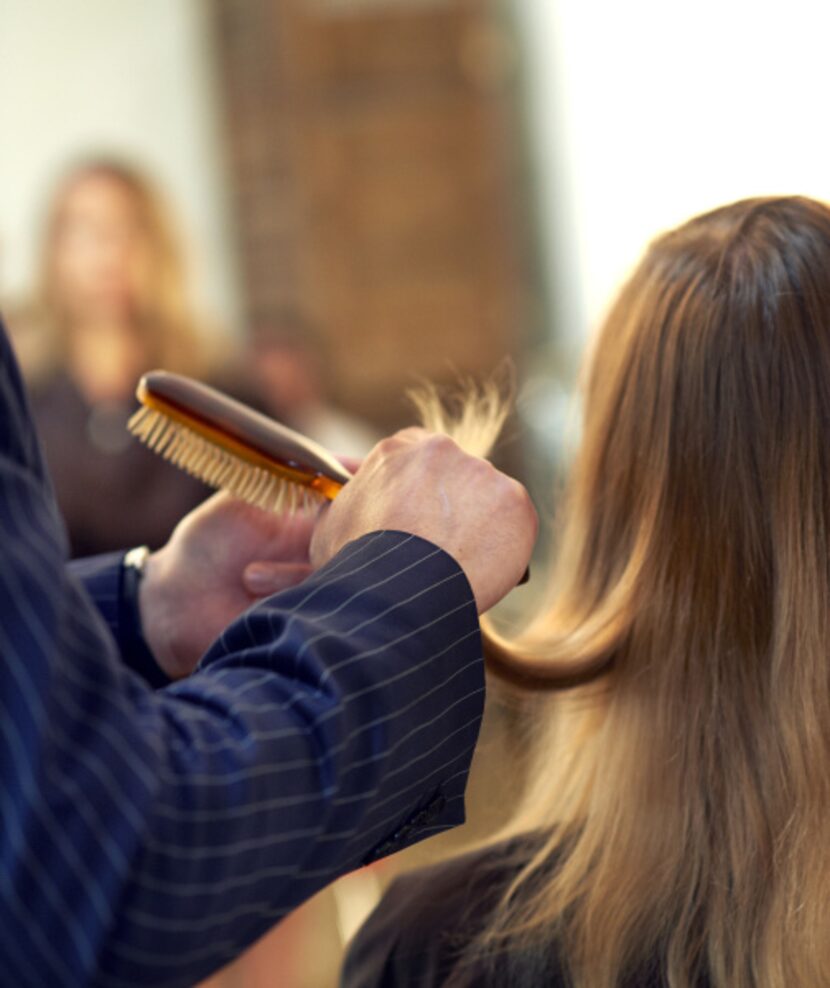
136,651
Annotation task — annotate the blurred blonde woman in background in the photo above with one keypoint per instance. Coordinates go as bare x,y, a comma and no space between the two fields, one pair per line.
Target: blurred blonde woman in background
112,303
676,828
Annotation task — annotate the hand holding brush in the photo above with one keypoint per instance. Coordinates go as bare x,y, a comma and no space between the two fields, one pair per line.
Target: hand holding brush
416,481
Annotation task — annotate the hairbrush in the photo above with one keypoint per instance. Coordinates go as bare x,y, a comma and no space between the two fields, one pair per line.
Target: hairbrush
232,447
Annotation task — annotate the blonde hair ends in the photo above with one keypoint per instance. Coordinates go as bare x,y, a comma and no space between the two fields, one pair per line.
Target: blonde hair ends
473,413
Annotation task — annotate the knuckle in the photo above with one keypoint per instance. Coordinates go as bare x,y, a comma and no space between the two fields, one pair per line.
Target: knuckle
436,448
410,434
398,441
516,495
387,445
487,474
526,507
440,442
521,496
484,476
519,491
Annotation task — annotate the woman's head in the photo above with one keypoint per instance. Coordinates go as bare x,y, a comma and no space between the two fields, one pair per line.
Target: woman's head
111,254
705,465
691,784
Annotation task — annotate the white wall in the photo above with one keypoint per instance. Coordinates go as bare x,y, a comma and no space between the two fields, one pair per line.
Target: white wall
131,77
649,111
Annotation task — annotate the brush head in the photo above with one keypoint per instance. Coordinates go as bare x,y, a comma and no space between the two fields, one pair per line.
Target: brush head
232,447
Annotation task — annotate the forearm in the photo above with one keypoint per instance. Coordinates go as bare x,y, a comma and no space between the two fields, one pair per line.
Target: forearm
325,722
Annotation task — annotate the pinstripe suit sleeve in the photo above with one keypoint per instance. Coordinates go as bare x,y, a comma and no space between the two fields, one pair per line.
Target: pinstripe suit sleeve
149,836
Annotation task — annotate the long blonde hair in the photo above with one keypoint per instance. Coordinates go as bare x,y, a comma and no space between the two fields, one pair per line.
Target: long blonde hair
164,312
684,794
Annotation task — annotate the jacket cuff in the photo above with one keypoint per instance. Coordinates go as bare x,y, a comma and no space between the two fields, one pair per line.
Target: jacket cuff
113,588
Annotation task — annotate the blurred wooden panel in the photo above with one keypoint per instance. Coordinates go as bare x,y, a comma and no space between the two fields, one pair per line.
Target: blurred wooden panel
396,43
371,154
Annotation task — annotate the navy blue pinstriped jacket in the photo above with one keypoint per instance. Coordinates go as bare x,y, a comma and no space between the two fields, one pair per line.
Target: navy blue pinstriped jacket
148,835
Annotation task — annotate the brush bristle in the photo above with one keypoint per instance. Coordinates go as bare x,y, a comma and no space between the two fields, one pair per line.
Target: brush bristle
217,467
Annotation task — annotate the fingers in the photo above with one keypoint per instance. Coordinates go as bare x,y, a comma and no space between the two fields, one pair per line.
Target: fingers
261,579
421,482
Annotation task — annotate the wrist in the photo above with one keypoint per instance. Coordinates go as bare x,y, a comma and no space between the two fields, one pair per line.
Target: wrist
155,607
136,648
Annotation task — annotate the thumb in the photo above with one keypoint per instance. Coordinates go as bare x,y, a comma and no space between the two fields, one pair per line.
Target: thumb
262,578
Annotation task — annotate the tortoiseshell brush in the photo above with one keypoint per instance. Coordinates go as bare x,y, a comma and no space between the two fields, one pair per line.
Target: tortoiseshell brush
232,447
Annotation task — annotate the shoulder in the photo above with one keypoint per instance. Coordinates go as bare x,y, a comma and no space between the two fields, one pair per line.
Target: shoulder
419,932
418,935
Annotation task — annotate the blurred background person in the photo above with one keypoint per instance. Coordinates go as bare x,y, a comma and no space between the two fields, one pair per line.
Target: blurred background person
112,303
